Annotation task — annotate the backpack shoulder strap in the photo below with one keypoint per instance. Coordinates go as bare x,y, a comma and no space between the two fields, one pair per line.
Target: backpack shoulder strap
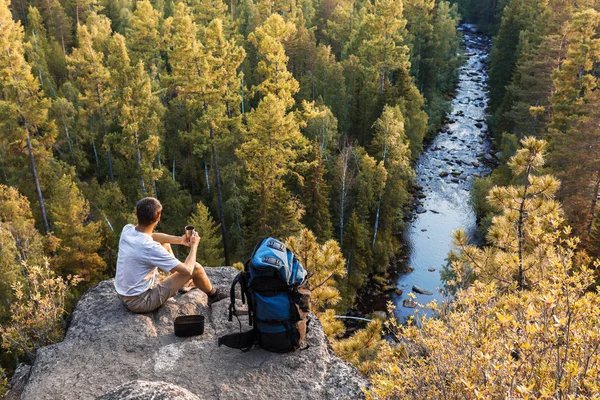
242,280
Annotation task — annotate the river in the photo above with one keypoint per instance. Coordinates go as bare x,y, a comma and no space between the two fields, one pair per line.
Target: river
460,152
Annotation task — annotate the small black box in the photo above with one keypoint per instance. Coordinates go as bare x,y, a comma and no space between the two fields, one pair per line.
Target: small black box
189,325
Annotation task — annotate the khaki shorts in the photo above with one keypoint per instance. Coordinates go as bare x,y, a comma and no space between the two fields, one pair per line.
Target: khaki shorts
151,299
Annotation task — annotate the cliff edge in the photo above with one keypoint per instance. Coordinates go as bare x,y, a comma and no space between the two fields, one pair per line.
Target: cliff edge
111,353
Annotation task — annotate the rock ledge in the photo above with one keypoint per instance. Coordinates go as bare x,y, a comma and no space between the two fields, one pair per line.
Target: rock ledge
113,353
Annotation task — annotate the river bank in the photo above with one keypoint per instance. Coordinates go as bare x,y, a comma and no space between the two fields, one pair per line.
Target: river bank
459,153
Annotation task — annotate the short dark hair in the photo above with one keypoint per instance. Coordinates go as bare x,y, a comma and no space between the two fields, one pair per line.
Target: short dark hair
148,211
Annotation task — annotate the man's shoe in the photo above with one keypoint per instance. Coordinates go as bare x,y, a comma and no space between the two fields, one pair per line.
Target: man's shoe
217,296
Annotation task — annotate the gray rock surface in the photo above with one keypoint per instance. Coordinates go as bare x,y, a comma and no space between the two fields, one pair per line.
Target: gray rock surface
144,390
107,346
17,382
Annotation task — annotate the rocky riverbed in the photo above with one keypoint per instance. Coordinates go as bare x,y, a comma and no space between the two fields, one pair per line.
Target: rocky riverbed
460,153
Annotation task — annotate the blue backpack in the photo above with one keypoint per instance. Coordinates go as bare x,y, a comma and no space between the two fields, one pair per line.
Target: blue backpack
274,285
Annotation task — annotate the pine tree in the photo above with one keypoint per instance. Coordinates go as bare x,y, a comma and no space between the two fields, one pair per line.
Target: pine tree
274,142
269,153
187,80
382,31
315,196
324,264
144,39
517,17
320,125
220,96
79,238
210,249
88,66
57,21
272,65
390,145
24,110
139,114
574,126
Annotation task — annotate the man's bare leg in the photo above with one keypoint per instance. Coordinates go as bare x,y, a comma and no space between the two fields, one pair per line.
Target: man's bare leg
175,281
201,280
199,277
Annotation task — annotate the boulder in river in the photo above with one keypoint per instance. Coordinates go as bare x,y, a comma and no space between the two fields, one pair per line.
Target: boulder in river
431,269
399,292
408,303
406,269
479,125
417,289
444,174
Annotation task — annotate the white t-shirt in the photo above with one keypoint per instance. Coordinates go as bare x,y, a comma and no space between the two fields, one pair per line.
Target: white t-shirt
137,262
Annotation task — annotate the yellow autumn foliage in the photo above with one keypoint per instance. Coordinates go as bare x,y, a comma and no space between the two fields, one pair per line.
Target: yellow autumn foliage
37,314
524,322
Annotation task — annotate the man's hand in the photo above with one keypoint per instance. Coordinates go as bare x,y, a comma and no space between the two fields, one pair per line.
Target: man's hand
185,240
194,240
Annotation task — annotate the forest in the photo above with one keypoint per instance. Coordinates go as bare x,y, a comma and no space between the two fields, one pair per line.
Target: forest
303,119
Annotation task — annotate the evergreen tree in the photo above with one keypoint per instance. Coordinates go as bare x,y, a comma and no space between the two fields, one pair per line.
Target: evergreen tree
574,126
57,21
390,145
88,66
269,153
144,39
272,65
323,262
23,110
220,96
517,16
315,196
79,238
210,250
139,115
382,31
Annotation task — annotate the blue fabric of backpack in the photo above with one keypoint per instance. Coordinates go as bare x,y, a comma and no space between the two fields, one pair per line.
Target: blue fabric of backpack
274,283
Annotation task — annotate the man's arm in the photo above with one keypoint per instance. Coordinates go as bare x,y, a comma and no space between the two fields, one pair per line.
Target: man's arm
164,238
187,267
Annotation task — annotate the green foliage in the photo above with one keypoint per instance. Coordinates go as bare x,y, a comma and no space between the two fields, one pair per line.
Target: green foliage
210,249
551,93
324,263
79,238
272,117
486,14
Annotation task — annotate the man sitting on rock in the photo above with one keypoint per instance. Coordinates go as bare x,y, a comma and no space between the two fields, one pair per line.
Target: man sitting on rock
142,252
